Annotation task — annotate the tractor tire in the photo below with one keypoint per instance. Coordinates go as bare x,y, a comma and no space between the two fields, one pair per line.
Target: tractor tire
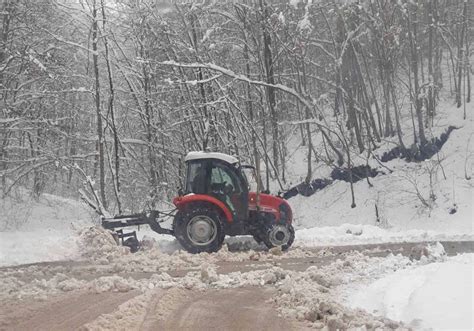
268,242
257,238
199,229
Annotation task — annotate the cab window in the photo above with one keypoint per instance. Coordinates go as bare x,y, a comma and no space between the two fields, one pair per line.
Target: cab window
221,176
225,186
196,178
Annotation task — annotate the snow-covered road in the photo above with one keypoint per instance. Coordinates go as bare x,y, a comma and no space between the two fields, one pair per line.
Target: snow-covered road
307,287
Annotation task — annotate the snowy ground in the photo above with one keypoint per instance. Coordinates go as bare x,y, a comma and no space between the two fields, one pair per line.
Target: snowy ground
310,288
40,230
437,295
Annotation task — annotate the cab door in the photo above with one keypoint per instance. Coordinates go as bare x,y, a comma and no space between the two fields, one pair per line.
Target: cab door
228,186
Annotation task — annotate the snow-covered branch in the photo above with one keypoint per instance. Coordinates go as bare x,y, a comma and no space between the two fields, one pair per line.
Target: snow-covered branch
243,78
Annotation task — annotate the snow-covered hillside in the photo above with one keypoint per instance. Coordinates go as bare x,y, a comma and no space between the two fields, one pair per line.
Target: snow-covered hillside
403,196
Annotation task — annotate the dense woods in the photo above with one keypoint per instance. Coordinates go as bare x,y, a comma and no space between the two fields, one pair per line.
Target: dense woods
108,96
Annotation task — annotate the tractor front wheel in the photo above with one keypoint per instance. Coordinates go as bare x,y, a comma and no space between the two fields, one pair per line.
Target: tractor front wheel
280,235
199,229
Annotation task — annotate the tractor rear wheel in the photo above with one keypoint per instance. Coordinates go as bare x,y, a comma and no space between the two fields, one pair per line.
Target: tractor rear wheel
279,235
199,229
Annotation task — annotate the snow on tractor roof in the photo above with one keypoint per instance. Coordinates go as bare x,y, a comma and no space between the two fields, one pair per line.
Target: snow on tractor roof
210,155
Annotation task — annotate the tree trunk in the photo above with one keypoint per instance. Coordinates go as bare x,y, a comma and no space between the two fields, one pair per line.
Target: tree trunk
363,86
431,87
414,65
374,96
6,10
150,135
270,78
111,110
100,139
460,55
208,140
250,109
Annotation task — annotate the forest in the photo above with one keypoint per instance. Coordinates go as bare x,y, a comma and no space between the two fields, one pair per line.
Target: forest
106,97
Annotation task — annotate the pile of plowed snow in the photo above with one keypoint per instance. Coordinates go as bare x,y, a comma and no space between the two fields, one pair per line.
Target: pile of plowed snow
97,244
437,295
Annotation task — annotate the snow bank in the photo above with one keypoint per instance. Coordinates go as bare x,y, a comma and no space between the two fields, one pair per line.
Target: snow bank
98,244
128,315
44,229
13,287
92,242
21,212
111,283
35,246
352,234
310,295
437,295
315,294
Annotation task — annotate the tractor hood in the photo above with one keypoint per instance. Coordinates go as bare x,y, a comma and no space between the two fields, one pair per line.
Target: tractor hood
271,204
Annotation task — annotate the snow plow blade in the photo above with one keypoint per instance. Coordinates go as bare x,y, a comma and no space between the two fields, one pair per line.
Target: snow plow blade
151,218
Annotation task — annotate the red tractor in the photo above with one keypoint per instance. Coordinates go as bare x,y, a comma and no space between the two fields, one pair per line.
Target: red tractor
216,202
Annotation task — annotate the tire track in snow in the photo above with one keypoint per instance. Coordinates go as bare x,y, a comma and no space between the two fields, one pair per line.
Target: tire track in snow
64,312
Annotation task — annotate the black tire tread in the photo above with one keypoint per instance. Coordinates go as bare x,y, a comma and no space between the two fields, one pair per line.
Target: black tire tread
180,225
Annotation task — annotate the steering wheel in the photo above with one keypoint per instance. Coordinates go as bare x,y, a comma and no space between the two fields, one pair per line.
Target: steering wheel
228,189
218,187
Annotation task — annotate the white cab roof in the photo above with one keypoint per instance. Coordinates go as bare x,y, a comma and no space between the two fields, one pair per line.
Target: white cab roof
210,155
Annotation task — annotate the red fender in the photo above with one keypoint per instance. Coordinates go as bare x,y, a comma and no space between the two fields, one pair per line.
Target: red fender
181,202
269,204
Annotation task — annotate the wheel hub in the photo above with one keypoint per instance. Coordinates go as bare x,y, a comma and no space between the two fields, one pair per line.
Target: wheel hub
201,230
279,235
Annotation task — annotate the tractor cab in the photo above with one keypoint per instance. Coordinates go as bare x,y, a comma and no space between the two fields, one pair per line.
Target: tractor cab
218,175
